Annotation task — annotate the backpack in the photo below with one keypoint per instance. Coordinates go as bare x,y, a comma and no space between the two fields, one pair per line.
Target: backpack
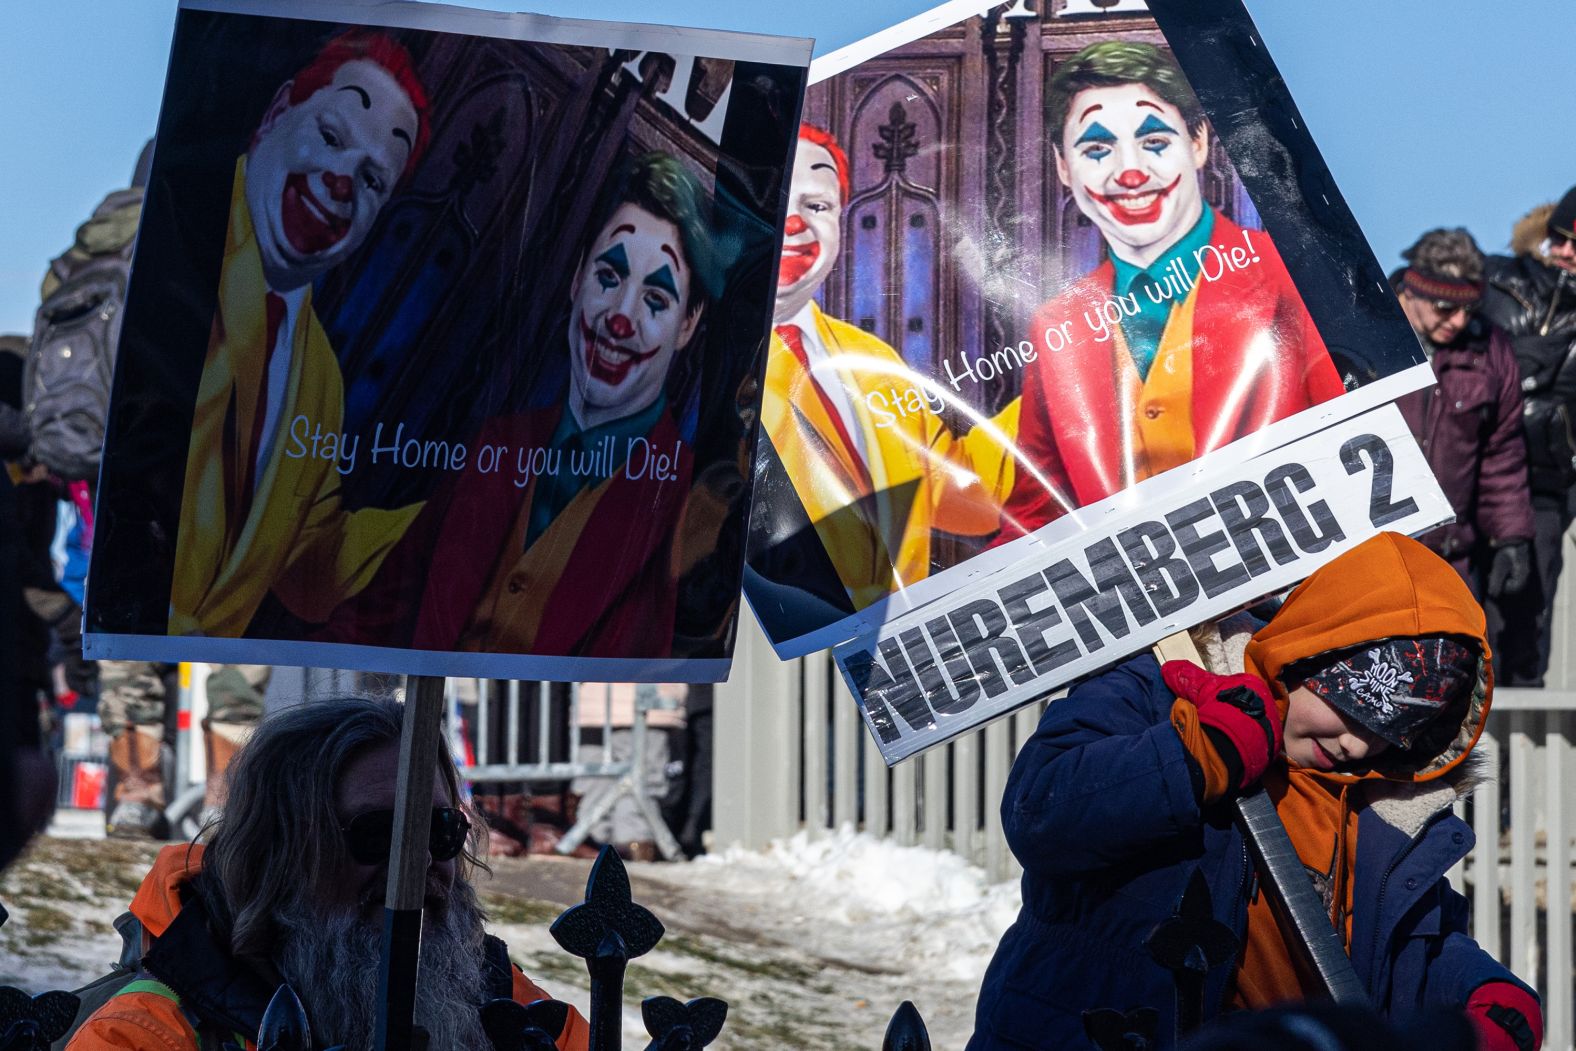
71,358
102,990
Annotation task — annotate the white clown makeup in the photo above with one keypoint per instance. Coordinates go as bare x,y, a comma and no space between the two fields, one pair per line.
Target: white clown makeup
1133,168
319,171
630,316
812,234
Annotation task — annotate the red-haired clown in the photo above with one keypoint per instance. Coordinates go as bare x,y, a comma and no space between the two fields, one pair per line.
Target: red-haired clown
260,511
860,433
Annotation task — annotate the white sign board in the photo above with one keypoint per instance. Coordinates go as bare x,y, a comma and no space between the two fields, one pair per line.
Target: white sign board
1150,570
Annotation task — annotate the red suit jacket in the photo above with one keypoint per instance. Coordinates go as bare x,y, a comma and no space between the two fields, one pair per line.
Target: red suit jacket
1256,358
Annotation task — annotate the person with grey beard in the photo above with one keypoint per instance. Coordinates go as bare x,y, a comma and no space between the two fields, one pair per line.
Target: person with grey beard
288,887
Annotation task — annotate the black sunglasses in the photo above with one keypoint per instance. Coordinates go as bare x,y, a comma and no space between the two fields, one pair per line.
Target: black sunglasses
1448,307
369,835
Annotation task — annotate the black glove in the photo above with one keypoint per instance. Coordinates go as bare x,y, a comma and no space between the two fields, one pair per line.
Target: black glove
1511,570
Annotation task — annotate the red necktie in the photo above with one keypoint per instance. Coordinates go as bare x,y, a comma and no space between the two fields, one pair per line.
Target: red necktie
795,342
275,308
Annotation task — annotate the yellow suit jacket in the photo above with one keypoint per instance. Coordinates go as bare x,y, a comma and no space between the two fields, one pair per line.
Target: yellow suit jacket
293,538
924,478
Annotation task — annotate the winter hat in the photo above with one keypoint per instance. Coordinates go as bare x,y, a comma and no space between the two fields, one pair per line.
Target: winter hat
1395,687
1562,222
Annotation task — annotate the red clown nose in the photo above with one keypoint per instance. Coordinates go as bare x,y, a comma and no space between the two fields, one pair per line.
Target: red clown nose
794,225
338,185
620,327
1131,179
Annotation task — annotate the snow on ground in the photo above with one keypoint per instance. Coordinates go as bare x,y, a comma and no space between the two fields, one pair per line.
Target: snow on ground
929,908
63,895
814,942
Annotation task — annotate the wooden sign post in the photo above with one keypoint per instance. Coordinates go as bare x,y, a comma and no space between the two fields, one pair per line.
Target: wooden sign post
420,739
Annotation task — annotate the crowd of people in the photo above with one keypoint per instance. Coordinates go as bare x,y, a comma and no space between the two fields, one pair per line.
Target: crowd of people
1497,428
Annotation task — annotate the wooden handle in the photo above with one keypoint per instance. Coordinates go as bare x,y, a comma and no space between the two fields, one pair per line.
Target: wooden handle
1179,647
418,758
420,738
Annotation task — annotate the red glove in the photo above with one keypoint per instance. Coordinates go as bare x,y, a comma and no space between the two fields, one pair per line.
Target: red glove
1506,1017
1237,715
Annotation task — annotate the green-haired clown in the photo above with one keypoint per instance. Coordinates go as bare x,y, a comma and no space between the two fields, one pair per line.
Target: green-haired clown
639,292
1130,142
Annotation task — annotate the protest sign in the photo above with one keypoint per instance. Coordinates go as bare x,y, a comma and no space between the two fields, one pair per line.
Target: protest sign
443,343
1151,568
1038,254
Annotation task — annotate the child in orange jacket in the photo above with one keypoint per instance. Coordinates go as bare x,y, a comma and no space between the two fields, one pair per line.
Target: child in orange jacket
1357,708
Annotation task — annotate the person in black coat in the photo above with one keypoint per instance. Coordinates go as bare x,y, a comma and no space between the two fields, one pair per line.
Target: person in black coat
1532,296
27,777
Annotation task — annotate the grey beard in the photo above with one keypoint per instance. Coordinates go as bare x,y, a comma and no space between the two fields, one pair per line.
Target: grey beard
330,959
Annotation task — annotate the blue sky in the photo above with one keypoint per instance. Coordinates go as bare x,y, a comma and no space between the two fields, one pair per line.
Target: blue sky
1429,112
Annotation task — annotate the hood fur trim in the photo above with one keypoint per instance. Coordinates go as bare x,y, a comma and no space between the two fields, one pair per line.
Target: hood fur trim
1409,806
1531,232
1224,643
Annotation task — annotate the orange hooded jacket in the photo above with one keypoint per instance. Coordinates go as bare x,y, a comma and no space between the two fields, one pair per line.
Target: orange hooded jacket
1387,587
147,1016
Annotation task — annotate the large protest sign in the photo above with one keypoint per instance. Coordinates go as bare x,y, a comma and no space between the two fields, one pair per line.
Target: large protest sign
443,343
1039,253
1150,569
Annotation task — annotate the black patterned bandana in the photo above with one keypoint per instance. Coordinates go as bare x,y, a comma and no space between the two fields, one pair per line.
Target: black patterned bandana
1395,687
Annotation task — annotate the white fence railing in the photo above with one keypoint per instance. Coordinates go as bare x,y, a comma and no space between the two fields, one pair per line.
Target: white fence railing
792,753
1519,875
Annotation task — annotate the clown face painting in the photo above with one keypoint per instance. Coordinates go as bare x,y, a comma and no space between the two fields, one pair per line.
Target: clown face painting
812,235
631,314
321,169
1132,167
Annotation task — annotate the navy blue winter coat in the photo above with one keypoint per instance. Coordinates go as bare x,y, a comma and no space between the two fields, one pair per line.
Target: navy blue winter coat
1101,811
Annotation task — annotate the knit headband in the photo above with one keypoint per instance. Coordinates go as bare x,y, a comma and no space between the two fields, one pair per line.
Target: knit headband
1448,289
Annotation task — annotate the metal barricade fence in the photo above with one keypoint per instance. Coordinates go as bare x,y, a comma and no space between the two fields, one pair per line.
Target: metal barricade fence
520,732
82,763
544,721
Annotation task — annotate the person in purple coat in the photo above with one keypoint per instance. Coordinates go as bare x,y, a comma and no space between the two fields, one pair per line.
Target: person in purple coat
1469,424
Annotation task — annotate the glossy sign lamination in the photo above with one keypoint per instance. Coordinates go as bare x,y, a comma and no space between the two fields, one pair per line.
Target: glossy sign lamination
1041,260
